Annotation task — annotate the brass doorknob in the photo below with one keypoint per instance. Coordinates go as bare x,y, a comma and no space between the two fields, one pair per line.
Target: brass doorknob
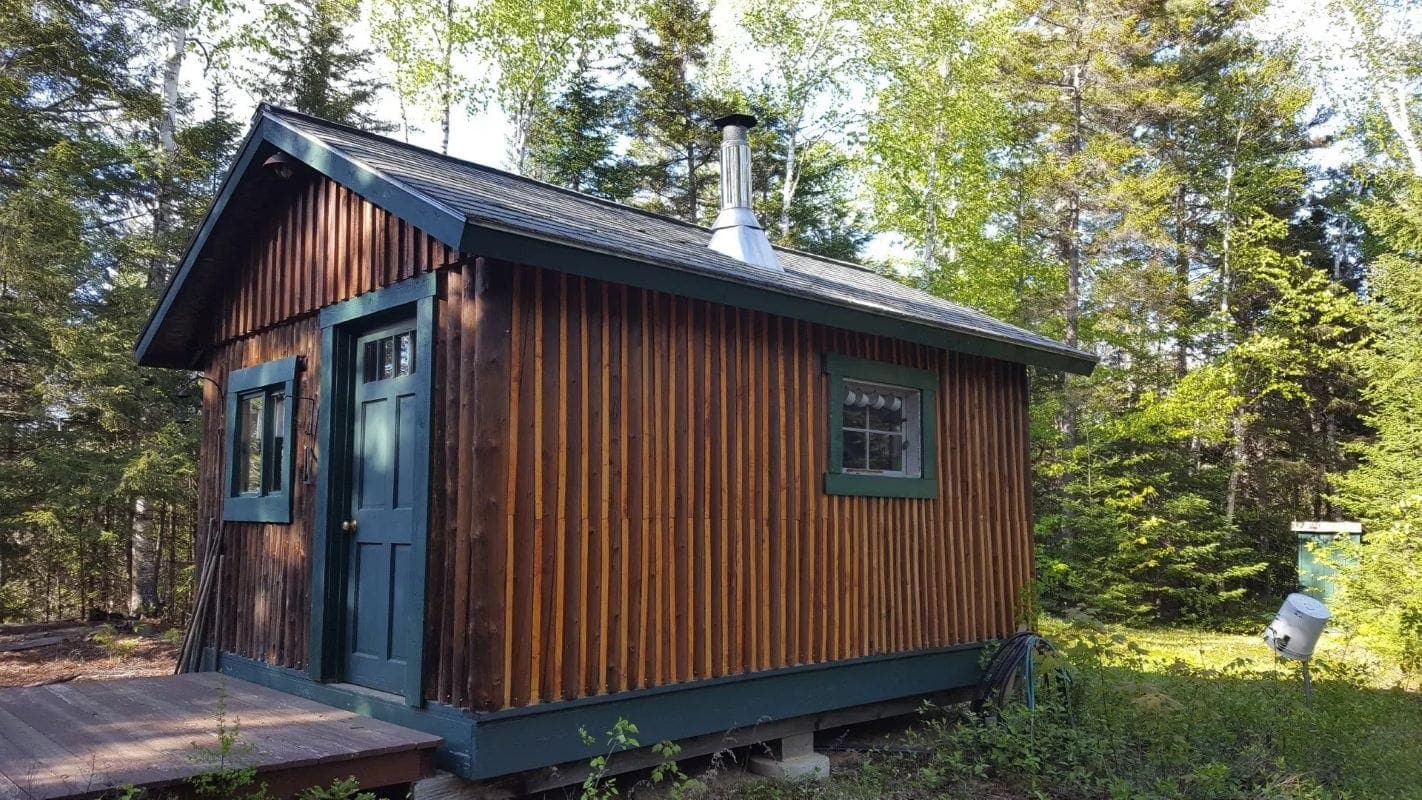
348,526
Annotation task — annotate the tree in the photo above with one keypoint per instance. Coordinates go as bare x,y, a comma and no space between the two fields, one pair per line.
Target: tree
534,51
310,66
575,143
426,40
812,49
673,140
822,217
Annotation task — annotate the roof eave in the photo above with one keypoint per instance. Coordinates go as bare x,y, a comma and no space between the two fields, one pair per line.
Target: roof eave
519,246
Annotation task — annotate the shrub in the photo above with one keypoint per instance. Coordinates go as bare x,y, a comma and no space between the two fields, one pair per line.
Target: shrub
1134,727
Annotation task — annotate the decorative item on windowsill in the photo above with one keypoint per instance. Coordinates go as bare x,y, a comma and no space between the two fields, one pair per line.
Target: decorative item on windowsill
1295,630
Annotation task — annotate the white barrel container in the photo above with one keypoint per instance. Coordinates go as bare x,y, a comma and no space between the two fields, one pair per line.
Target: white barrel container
1296,628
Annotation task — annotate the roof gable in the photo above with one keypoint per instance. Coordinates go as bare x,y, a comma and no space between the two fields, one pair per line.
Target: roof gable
485,211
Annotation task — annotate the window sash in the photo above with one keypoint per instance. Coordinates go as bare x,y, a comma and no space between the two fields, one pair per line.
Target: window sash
862,425
259,426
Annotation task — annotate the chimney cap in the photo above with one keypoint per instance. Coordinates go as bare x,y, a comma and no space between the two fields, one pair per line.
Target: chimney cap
741,120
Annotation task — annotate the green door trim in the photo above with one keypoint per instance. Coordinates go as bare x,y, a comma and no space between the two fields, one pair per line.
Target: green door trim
341,324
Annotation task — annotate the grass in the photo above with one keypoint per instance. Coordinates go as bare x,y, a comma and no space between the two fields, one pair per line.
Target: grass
1168,714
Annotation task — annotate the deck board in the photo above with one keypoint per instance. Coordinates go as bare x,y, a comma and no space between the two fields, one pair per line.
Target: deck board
79,740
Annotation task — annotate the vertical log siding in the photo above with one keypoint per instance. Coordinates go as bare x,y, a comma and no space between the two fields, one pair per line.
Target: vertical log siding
627,485
649,484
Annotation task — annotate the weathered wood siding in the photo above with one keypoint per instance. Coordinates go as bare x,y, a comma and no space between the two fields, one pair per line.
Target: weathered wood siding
636,498
627,485
320,244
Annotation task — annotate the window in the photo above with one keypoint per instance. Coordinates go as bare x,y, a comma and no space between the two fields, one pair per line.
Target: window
881,429
260,417
390,357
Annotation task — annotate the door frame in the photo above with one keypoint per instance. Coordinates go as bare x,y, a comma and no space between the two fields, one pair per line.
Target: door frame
341,325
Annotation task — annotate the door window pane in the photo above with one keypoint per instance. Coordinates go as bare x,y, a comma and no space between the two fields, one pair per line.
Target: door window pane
388,357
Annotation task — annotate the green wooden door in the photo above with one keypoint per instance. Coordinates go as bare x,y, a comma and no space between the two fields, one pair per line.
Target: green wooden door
389,433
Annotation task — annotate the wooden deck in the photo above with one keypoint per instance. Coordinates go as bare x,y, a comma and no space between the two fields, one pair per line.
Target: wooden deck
79,740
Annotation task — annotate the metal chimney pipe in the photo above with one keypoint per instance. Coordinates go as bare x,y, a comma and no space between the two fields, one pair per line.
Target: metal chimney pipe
737,232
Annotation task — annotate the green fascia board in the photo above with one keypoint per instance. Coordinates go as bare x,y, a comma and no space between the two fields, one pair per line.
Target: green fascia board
274,508
488,745
483,237
248,150
840,367
434,219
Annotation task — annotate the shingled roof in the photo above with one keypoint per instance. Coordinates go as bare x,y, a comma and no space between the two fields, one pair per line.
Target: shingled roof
485,211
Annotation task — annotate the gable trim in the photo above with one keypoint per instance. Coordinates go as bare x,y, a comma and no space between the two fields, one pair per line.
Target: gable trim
434,219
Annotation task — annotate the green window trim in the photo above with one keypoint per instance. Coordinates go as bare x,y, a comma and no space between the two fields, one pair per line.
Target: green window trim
841,368
264,505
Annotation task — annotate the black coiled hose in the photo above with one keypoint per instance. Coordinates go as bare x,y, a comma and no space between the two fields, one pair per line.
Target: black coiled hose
1014,662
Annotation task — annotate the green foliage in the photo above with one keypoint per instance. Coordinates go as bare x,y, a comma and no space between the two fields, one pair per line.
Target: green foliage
574,142
620,738
226,776
673,141
340,789
534,53
310,65
1154,715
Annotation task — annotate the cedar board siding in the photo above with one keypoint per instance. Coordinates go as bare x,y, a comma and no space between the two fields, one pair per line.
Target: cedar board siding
640,501
320,244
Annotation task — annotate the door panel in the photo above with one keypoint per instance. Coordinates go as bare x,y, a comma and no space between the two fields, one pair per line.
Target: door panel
385,442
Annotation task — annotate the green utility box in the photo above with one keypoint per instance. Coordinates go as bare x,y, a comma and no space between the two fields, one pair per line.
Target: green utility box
1317,569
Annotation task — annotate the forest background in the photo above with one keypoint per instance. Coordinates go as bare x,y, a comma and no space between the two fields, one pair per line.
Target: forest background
1220,198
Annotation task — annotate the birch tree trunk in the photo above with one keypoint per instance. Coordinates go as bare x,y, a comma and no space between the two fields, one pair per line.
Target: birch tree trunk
143,585
167,138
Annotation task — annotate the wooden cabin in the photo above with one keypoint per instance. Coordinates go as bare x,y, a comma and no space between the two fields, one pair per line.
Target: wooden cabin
497,461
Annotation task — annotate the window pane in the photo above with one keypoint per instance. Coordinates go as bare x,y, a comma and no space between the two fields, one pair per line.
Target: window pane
277,399
854,450
387,357
853,417
886,452
405,353
370,360
249,443
888,418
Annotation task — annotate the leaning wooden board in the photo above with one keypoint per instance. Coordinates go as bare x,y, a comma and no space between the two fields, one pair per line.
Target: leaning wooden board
79,740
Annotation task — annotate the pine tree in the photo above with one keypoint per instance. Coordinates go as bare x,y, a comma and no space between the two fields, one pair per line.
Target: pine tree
575,142
673,140
310,65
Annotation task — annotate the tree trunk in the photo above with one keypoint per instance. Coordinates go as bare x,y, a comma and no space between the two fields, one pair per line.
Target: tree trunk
691,183
787,188
1182,286
448,89
1239,456
143,561
167,138
1394,97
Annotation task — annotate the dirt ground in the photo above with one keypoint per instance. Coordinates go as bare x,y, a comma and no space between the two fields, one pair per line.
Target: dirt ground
56,652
